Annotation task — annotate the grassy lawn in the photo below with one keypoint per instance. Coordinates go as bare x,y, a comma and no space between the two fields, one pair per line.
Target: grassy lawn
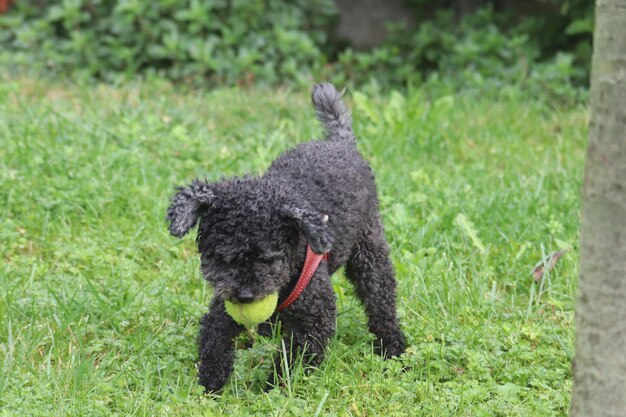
99,306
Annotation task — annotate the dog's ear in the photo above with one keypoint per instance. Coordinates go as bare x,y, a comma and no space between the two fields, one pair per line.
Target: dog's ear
187,205
313,224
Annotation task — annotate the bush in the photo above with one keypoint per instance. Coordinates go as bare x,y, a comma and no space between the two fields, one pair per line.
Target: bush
487,47
545,45
219,40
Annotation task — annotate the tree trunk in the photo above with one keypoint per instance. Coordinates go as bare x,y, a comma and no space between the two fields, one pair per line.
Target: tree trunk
363,23
600,362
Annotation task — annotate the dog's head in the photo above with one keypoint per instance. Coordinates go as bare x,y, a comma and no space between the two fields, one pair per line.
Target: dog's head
248,232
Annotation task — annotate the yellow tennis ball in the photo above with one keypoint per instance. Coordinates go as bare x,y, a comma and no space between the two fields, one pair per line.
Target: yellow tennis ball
251,314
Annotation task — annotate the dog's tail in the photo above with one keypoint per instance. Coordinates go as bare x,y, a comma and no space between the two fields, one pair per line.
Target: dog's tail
332,113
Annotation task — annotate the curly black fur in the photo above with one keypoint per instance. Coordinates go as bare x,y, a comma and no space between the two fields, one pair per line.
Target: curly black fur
252,238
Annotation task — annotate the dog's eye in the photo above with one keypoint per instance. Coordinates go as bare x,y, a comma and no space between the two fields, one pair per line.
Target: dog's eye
269,263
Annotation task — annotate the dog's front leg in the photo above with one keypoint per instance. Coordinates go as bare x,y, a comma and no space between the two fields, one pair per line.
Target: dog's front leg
216,346
308,324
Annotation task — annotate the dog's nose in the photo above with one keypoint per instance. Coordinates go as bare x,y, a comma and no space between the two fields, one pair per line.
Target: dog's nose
244,296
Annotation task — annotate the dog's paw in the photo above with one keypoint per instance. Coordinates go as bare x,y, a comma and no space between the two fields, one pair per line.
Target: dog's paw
390,346
211,386
212,379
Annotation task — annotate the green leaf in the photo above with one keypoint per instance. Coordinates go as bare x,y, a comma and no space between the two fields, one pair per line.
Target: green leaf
469,229
580,26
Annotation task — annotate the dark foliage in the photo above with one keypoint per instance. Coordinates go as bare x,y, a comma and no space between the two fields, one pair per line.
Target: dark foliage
546,43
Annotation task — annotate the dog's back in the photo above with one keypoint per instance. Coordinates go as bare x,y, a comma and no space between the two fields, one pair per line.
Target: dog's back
331,173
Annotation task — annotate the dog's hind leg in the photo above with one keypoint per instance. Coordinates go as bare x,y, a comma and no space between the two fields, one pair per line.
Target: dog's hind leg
371,271
216,347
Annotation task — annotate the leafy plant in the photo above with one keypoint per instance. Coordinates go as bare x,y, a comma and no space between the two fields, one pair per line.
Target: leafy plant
541,44
219,40
485,48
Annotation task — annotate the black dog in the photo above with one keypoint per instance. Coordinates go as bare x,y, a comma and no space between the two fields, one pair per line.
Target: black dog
253,234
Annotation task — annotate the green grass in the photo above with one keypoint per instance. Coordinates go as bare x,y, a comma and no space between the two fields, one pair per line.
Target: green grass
99,306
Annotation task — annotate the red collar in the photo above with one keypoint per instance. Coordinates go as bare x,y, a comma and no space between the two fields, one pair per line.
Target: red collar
311,262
